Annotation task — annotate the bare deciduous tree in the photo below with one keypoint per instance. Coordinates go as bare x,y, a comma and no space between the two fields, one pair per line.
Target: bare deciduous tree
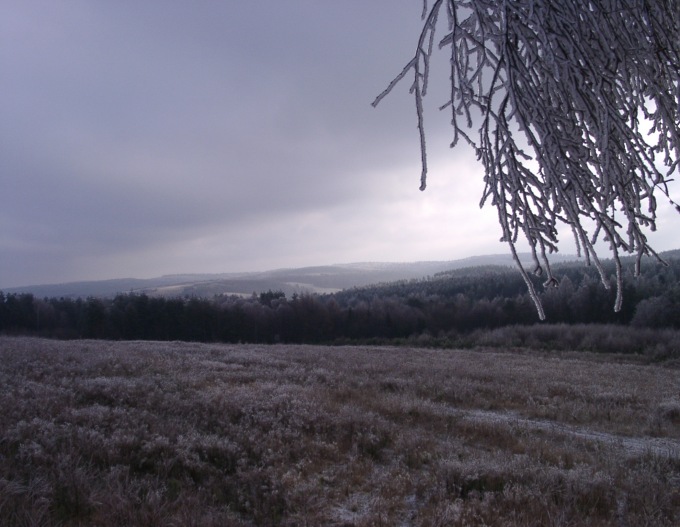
577,104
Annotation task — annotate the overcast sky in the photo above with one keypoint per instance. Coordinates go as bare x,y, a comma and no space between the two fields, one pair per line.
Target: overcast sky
142,138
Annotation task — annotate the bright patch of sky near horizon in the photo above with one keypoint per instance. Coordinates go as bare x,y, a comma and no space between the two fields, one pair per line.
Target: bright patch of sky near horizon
147,138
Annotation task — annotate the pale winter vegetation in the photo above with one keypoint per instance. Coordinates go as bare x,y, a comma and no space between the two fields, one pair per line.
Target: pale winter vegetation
572,108
150,433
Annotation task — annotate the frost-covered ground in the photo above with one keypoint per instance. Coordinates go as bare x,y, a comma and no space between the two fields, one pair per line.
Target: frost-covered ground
140,433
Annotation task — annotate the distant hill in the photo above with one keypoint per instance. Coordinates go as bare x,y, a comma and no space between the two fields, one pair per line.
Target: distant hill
318,279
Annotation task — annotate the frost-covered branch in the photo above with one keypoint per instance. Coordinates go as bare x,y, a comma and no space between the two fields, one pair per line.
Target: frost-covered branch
577,105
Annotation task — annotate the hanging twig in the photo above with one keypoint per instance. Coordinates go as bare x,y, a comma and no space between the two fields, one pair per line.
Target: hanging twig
580,83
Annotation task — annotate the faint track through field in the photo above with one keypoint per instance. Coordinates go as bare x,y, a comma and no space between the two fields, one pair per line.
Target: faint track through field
665,447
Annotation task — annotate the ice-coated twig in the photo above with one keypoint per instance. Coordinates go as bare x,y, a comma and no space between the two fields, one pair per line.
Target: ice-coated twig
578,108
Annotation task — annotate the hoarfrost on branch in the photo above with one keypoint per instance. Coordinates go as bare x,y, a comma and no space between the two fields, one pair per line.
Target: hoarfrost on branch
578,108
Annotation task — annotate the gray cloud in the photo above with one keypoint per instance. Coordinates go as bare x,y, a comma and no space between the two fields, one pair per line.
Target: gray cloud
140,138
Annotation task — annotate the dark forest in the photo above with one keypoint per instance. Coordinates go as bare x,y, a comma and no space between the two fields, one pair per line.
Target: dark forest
448,309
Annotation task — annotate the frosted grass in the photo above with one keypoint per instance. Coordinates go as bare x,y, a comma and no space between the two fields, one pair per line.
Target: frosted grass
146,433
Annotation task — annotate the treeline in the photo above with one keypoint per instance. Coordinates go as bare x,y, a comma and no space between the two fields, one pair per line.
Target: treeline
454,303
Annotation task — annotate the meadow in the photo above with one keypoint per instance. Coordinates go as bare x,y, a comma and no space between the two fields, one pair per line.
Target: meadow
104,433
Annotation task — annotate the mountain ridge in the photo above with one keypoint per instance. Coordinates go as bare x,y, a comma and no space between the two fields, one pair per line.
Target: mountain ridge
308,279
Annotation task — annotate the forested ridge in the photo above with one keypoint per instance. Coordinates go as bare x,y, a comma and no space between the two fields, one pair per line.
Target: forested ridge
441,309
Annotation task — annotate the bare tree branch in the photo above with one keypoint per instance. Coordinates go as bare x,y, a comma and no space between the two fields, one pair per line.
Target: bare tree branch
578,108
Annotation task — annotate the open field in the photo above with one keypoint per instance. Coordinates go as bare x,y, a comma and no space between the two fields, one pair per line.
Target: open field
142,433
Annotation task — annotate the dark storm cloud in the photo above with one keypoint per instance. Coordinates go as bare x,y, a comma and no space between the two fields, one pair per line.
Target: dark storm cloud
140,138
130,125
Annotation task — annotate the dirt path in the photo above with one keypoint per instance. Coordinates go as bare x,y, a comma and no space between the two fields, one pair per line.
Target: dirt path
664,447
